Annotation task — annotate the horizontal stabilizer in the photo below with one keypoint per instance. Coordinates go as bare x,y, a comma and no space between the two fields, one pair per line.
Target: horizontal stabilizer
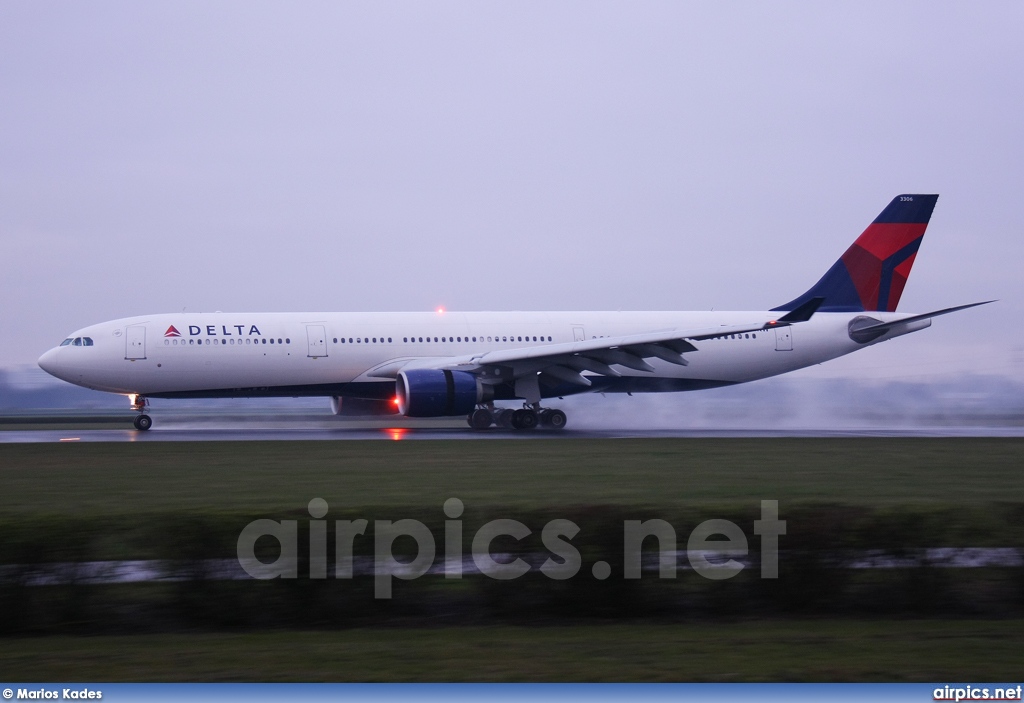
867,332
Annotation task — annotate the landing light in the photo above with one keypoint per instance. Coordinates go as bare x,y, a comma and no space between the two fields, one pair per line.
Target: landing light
440,310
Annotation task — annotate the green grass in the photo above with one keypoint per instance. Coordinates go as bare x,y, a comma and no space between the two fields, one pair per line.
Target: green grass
133,479
831,650
123,491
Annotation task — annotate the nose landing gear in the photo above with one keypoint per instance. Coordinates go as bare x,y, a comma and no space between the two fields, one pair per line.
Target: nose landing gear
142,421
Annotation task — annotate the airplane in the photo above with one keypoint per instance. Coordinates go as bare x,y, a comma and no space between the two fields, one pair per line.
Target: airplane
436,364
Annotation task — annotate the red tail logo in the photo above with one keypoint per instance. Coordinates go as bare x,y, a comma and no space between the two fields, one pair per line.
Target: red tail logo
172,332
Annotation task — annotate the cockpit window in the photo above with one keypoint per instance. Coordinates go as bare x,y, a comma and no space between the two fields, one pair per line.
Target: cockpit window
77,342
66,342
86,341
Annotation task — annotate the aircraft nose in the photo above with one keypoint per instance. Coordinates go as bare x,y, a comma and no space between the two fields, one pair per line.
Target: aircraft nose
48,362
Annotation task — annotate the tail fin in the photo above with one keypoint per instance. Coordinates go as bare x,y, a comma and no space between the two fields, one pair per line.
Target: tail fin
872,273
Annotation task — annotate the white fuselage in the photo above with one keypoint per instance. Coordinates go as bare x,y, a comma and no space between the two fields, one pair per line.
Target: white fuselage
336,354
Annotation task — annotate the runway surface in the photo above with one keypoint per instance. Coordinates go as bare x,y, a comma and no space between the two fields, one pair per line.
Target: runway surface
243,434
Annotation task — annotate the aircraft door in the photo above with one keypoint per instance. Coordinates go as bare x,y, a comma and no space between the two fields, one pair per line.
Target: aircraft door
578,335
316,336
135,342
784,338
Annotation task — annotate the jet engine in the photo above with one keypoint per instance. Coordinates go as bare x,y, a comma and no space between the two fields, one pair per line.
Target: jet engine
439,393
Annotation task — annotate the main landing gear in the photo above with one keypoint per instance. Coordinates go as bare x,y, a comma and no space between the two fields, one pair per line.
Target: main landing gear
142,421
525,418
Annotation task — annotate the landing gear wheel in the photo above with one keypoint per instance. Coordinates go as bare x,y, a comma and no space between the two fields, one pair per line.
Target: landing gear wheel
555,419
480,419
503,418
143,422
524,419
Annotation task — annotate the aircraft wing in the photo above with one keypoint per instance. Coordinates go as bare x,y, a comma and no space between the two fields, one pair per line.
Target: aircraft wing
566,361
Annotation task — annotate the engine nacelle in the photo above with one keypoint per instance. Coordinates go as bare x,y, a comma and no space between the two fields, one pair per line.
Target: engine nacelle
436,393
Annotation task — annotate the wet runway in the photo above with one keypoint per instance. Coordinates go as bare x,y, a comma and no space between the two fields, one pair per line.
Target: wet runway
211,432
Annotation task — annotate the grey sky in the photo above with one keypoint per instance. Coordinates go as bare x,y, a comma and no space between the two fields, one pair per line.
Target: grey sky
374,156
